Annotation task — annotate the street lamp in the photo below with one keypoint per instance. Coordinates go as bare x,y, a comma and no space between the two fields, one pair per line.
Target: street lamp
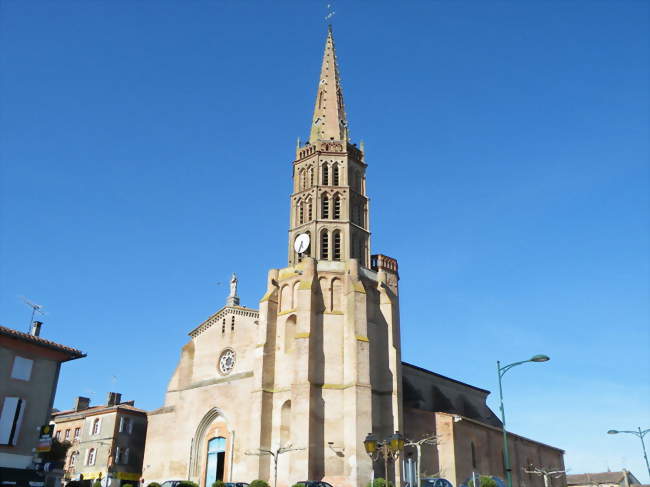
501,371
388,449
640,434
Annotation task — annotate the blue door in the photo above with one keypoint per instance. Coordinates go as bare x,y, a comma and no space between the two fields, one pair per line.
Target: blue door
216,456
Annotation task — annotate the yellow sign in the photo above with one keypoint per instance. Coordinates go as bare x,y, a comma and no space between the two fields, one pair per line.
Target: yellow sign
128,476
92,475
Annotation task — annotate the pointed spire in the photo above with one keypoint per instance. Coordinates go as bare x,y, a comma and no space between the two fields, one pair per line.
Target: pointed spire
329,121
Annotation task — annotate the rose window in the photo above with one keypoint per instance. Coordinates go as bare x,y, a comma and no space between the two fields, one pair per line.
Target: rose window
227,361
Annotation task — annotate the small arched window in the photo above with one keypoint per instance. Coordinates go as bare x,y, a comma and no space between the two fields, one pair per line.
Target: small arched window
92,454
337,245
337,207
325,174
325,209
335,174
324,245
309,210
96,426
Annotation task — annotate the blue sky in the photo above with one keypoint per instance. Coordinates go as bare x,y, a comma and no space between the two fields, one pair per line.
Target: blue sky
146,153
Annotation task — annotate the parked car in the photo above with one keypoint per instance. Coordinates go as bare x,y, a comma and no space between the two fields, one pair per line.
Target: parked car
171,483
314,483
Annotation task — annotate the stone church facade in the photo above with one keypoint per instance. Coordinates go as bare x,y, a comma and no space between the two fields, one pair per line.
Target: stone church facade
317,367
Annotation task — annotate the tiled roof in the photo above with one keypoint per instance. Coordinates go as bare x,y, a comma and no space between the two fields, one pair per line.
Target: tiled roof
595,478
73,353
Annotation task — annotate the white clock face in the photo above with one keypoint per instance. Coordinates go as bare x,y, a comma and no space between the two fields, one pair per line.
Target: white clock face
227,361
301,244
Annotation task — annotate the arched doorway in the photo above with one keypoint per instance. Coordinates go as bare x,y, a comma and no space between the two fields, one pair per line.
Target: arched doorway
216,459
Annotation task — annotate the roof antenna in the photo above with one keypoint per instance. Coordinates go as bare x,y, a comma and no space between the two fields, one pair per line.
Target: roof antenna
36,308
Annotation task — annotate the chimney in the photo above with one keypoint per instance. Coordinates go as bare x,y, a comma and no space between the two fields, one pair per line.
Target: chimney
36,328
81,403
113,398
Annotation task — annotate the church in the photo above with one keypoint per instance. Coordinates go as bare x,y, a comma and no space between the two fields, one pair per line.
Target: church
318,366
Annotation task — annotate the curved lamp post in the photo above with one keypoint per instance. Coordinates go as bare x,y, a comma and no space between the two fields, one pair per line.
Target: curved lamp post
502,371
640,434
388,448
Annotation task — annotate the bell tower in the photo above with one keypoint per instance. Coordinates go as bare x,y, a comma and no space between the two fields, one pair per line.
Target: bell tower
329,202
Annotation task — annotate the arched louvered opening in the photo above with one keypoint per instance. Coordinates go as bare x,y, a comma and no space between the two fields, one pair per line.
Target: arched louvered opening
335,174
301,179
326,174
362,251
301,213
337,245
309,210
324,245
311,176
325,206
337,207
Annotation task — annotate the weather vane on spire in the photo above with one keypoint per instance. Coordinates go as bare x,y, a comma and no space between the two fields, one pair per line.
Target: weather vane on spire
330,12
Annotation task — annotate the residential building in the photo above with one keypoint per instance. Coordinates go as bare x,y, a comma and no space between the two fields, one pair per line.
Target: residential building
107,440
29,373
623,478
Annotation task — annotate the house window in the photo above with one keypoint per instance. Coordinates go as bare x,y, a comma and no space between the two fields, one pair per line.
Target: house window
125,425
11,418
57,435
22,368
337,245
77,432
125,457
92,455
96,427
118,455
73,458
67,435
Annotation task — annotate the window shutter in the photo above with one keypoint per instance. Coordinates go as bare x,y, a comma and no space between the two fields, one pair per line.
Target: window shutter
121,425
10,420
130,426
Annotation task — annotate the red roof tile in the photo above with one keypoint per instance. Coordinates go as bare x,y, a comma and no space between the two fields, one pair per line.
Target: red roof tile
73,353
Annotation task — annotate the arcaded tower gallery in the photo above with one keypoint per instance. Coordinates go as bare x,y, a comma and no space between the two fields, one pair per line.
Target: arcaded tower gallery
318,366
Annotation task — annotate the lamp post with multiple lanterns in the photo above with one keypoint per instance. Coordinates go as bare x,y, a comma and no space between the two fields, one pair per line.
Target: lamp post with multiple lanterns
388,448
502,371
640,434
